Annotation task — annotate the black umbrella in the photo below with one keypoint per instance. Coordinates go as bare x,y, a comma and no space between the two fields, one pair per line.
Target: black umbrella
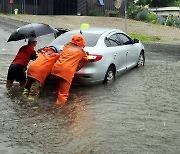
31,30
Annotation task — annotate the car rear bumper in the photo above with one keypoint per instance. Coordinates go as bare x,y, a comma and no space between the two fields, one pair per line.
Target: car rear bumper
85,79
89,74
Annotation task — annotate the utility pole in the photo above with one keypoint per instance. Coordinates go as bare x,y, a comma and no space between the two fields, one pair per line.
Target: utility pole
125,14
24,6
34,12
36,6
117,5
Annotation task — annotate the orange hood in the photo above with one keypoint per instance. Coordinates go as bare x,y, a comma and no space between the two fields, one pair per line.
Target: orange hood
78,40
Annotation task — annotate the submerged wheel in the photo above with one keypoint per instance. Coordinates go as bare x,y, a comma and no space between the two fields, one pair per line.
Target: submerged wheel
141,60
110,75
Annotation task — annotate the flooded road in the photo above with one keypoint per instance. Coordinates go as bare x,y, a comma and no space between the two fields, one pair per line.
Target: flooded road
138,113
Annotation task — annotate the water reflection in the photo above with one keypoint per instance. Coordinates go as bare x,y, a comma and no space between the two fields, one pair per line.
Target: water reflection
138,111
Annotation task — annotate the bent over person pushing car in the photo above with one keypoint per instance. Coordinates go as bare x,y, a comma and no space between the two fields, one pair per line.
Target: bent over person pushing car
39,70
66,66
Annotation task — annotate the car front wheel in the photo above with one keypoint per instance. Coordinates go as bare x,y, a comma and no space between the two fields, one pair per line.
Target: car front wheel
110,75
141,60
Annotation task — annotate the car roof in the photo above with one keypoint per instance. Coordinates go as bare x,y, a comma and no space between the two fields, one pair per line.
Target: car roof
95,30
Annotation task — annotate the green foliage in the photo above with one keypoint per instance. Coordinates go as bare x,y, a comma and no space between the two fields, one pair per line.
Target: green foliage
169,21
177,22
152,17
173,21
143,15
176,3
133,10
159,3
144,2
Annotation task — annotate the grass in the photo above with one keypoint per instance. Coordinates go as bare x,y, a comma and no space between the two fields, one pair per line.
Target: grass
144,38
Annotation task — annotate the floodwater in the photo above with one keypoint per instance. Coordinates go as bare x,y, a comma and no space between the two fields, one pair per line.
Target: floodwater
138,113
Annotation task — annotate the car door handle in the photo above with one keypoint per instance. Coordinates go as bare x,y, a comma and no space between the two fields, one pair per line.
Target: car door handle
115,56
127,53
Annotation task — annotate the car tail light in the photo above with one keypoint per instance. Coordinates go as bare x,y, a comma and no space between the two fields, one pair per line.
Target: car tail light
94,58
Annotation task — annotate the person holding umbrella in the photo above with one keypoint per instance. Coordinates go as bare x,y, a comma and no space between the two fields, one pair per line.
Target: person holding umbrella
17,69
65,67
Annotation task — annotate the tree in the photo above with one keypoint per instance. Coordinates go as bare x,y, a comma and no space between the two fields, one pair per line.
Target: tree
160,3
155,3
144,2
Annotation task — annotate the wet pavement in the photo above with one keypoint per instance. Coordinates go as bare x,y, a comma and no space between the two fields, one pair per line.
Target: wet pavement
138,113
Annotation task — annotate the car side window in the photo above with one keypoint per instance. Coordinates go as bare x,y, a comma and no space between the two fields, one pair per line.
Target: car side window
112,41
124,39
106,41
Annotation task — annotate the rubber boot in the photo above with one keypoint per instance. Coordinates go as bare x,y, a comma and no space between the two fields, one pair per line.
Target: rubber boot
25,92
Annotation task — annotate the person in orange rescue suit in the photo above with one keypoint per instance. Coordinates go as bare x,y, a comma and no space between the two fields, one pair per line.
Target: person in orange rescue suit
39,70
66,66
17,69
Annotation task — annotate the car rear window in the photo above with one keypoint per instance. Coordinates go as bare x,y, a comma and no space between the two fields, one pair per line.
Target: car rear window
90,38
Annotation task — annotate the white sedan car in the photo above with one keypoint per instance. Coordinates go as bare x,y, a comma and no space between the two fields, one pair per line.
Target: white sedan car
111,52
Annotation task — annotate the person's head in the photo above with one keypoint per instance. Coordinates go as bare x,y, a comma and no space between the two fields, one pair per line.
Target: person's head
78,40
49,49
32,41
54,49
57,48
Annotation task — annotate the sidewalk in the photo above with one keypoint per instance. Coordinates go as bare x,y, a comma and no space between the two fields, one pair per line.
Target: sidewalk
133,26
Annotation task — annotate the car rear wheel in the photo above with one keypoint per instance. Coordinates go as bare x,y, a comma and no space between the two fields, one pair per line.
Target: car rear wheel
141,60
110,75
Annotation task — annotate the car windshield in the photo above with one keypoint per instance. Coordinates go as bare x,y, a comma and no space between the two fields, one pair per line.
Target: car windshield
90,38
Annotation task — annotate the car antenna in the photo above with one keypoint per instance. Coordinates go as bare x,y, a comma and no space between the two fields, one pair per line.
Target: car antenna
84,26
80,31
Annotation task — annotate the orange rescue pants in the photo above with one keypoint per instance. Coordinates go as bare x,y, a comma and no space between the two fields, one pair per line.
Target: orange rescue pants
63,88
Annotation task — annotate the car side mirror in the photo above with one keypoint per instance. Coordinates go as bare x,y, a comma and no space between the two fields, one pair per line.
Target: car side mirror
136,40
60,31
107,38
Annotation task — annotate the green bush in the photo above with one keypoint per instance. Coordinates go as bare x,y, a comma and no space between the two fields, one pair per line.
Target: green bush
177,3
143,15
169,21
133,10
152,17
173,21
177,22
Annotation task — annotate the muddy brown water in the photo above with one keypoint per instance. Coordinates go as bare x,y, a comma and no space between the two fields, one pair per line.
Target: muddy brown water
138,113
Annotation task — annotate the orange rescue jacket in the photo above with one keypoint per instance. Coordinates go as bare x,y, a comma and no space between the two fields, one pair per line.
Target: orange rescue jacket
66,66
42,66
